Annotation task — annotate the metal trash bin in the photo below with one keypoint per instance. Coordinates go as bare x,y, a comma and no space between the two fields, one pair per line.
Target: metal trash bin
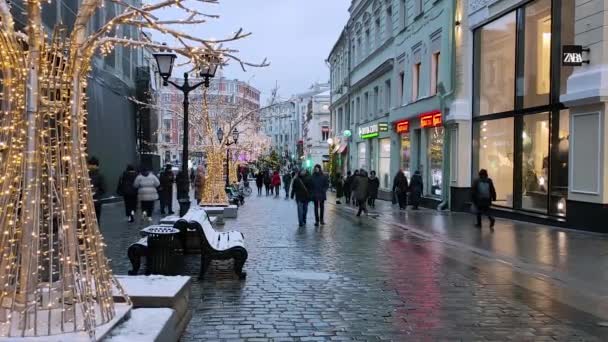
163,250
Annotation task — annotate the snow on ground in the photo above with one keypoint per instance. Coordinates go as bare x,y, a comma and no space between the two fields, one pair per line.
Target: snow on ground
145,325
152,285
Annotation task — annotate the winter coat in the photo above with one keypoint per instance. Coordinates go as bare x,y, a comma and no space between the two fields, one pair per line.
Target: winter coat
400,184
125,184
339,187
287,180
199,186
146,187
475,196
361,187
276,179
98,184
416,187
259,179
320,184
301,189
267,179
167,178
373,185
348,183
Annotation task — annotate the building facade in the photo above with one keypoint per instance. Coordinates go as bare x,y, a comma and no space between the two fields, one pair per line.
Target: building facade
316,131
488,85
225,97
280,126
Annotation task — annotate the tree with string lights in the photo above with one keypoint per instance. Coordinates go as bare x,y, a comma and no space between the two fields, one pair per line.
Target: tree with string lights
54,276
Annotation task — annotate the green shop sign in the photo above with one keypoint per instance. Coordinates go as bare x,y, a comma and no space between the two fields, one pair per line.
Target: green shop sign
373,131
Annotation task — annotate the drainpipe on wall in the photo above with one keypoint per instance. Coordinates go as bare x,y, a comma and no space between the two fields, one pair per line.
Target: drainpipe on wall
443,97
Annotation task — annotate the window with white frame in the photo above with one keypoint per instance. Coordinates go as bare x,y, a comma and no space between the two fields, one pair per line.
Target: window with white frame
434,72
324,133
387,95
416,81
376,105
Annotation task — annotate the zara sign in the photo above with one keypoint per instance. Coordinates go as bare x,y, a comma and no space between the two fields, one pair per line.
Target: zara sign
572,55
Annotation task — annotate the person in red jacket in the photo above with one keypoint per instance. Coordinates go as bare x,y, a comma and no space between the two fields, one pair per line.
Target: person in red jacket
276,183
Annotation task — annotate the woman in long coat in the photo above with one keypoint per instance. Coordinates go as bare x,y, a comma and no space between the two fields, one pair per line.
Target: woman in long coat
199,183
416,187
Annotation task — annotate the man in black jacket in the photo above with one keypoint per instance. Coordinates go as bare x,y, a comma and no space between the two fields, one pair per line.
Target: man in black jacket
482,195
167,178
301,190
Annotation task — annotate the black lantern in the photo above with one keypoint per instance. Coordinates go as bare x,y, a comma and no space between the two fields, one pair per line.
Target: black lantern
208,71
235,135
165,61
220,135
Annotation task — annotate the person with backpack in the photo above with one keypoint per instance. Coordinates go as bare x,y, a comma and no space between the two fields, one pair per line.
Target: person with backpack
167,178
301,191
128,192
482,195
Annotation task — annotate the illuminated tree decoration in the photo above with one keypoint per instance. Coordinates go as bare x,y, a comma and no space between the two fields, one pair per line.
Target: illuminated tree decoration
54,276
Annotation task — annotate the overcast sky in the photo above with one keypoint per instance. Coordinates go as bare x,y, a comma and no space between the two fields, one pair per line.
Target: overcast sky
295,35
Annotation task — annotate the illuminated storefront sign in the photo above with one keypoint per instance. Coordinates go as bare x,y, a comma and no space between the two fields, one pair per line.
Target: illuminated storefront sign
402,127
431,119
368,131
383,127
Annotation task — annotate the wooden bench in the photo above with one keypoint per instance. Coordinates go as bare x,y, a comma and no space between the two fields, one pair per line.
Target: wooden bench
215,245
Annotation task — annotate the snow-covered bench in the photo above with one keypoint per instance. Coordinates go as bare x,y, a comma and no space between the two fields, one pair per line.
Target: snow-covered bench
215,245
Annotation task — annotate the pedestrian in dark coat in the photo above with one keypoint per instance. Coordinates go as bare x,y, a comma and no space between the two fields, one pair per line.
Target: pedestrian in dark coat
361,183
301,191
267,182
373,185
167,178
348,186
259,182
482,195
98,185
128,192
339,187
416,187
400,188
287,177
320,184
353,188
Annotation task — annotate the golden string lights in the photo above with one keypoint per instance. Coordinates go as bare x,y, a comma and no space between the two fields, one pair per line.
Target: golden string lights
54,276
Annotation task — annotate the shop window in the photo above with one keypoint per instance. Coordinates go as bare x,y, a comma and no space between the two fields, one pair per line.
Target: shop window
495,153
384,163
538,54
495,66
362,153
559,165
434,72
435,160
405,154
416,82
535,162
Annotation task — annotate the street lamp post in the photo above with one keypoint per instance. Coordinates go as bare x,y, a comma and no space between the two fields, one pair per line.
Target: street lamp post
165,61
235,138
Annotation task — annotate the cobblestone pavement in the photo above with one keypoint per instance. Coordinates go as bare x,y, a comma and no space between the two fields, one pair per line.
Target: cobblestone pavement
358,279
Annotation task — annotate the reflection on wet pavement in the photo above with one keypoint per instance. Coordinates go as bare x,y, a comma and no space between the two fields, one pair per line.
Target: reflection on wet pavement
365,279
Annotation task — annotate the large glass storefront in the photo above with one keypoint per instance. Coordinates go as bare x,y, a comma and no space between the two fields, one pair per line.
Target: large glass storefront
362,154
435,137
384,163
521,131
406,152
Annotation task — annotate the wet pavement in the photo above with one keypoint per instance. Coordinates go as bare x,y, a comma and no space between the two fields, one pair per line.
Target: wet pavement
403,276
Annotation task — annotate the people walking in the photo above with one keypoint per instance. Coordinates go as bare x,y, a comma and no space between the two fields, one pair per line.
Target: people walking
400,188
361,184
339,183
192,177
482,195
128,192
287,177
416,187
353,189
320,184
199,183
259,182
276,183
267,182
300,191
373,184
146,184
98,185
348,187
167,178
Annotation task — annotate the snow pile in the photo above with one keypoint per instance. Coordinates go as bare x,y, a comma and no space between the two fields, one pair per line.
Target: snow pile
145,325
152,285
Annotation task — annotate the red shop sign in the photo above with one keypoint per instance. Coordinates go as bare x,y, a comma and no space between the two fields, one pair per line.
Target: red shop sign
431,119
402,126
